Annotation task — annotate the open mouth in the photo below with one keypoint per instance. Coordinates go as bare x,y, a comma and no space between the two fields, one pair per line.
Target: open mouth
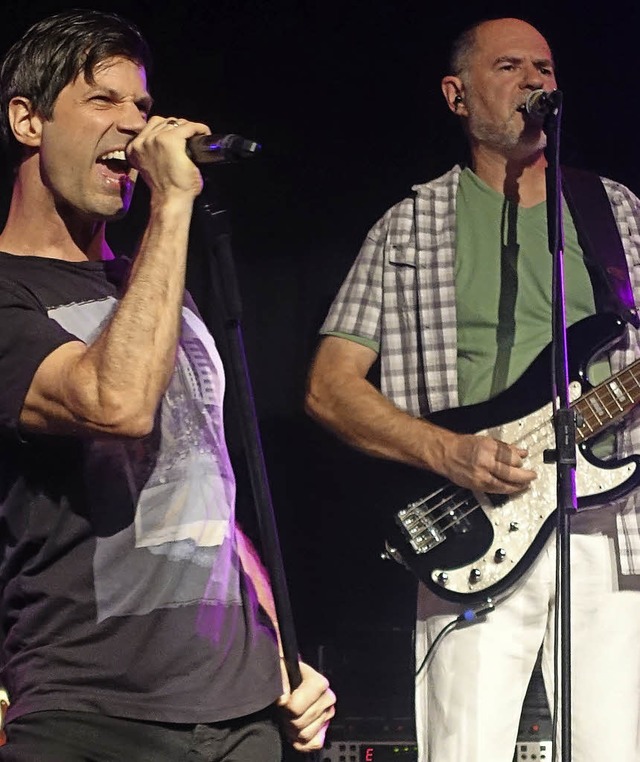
115,161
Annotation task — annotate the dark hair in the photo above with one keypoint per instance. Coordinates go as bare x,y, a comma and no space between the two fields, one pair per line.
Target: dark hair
462,48
54,52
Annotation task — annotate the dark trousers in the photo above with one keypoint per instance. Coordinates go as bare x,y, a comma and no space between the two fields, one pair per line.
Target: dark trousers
61,736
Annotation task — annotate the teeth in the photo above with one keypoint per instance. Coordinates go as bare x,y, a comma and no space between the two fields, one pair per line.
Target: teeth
117,155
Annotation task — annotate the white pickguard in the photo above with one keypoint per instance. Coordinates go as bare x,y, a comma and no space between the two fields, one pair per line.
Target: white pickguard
529,510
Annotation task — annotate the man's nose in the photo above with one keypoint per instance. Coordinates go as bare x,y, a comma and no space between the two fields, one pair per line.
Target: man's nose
532,79
131,119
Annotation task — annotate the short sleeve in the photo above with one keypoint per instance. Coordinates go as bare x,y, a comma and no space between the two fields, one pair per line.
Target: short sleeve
356,310
27,336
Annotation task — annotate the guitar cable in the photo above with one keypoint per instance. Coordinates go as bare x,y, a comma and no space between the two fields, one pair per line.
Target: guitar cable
468,616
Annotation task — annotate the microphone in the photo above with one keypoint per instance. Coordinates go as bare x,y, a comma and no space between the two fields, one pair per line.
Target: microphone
539,103
218,149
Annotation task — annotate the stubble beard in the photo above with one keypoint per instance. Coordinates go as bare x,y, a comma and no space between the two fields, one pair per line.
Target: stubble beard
517,135
509,136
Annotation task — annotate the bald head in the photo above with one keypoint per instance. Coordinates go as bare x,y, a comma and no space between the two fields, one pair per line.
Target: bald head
481,34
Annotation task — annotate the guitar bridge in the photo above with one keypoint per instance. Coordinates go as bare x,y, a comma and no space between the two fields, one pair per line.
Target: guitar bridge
418,529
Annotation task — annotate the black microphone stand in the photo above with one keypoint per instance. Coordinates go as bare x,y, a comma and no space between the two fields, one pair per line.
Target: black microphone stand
564,420
226,299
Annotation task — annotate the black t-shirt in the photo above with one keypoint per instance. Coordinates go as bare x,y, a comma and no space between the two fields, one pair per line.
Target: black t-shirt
120,587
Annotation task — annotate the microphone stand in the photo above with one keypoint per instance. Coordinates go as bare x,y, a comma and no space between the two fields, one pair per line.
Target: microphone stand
564,420
226,298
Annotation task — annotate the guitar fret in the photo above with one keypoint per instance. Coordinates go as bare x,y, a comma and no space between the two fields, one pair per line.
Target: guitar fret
607,396
619,393
585,422
628,397
616,396
625,383
628,379
633,376
589,420
595,407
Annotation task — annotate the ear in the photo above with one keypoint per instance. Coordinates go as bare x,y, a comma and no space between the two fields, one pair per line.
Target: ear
25,123
453,91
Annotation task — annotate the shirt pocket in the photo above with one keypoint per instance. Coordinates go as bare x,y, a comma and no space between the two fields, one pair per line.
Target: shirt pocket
401,287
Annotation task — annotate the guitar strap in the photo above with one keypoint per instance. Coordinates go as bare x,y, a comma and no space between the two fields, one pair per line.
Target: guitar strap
600,240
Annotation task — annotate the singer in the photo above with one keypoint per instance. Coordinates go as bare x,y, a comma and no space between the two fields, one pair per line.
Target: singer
135,616
451,291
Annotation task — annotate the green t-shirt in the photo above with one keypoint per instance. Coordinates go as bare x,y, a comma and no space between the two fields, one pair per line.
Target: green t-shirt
503,288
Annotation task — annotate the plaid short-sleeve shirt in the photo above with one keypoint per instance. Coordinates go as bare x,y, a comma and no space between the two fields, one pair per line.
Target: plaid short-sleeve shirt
400,294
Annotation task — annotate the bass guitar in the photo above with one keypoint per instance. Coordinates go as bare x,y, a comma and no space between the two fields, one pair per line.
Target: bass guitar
468,546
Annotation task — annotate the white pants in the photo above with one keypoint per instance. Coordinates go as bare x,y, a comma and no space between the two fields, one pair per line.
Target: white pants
468,703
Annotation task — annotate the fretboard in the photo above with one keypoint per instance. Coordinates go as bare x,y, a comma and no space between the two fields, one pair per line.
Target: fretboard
607,403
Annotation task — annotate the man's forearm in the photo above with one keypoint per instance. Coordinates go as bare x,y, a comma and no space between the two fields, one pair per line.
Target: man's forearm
359,414
127,368
340,397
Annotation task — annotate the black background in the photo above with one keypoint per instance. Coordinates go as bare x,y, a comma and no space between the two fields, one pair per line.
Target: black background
345,99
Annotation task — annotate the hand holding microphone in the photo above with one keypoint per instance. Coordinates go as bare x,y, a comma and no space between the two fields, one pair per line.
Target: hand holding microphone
164,167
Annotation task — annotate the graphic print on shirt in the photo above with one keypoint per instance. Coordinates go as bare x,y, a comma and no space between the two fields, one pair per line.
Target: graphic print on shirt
161,506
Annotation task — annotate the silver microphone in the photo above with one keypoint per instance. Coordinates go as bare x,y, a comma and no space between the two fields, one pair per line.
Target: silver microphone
539,103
